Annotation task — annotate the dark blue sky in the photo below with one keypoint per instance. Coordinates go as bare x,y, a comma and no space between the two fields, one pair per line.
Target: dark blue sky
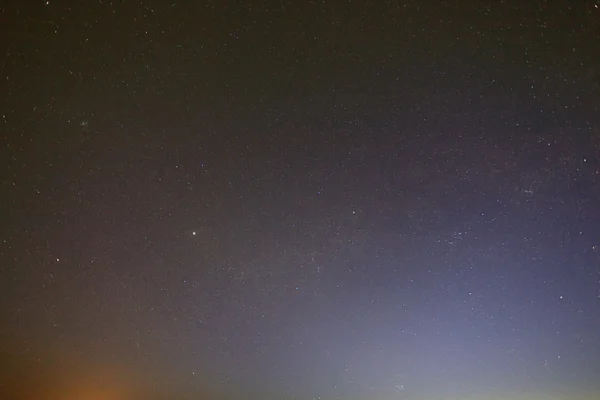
392,200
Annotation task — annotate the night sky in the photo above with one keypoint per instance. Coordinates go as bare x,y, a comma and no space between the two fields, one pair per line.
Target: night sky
300,199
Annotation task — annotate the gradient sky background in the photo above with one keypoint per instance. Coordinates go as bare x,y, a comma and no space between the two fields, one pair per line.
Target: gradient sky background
312,199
